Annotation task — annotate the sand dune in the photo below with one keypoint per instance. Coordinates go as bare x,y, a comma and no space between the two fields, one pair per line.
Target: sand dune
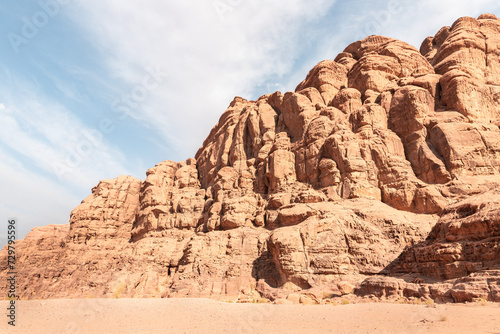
74,316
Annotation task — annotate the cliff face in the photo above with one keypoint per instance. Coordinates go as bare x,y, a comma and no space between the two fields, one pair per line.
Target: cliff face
378,176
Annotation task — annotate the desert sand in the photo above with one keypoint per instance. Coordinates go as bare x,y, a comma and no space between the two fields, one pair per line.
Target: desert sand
74,316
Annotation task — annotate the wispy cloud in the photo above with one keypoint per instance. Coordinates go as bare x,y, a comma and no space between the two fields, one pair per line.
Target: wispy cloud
90,62
46,163
208,59
31,197
52,137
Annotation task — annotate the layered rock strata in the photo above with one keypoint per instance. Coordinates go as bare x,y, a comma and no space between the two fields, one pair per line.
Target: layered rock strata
377,177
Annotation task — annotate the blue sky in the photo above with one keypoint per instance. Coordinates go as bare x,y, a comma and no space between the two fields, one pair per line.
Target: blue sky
92,89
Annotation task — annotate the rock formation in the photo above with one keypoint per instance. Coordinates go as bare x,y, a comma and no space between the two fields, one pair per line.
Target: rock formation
377,177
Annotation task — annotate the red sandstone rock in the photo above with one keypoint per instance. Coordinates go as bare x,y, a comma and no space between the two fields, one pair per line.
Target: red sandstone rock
381,60
327,77
108,213
467,56
334,187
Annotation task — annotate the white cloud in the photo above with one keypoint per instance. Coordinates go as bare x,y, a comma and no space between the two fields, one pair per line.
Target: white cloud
38,135
55,140
209,59
31,198
210,55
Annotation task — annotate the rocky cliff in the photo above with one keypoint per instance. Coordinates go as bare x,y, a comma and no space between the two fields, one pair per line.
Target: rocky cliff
378,177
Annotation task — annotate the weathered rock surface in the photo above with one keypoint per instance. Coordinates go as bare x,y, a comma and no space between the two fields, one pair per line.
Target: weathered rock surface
466,239
170,197
106,214
377,177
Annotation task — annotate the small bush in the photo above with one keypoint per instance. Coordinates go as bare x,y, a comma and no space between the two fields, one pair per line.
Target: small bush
327,295
443,318
345,301
259,301
119,290
482,301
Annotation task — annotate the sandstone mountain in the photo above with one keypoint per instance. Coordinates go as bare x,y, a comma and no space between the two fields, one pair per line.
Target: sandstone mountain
378,177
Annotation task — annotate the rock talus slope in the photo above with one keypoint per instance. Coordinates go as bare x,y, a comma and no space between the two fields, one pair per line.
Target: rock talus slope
377,177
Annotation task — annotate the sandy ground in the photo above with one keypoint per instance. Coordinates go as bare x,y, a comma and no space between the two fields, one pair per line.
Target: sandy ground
208,316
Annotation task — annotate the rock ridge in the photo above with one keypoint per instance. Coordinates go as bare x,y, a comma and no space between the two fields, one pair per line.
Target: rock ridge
377,177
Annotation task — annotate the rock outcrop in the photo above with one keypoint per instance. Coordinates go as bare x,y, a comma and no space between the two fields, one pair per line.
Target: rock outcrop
377,177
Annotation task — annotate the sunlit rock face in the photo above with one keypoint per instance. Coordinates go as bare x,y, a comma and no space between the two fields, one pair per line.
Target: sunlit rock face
377,177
